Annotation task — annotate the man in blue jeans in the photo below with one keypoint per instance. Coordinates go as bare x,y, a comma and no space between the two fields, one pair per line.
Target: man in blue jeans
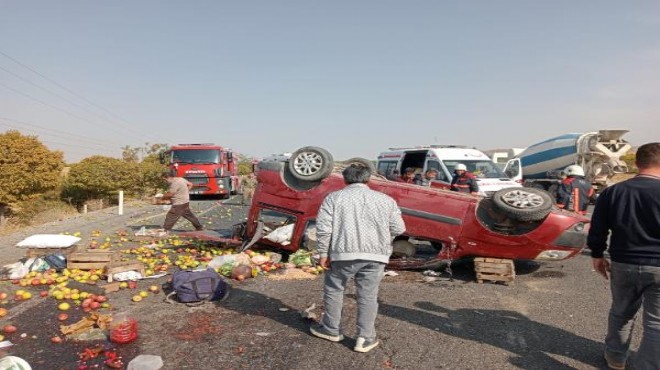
630,213
355,227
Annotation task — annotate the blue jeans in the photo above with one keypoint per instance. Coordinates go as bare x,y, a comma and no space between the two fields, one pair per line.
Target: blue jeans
633,286
368,275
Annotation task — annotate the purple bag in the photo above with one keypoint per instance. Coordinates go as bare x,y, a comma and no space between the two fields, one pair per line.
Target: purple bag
195,286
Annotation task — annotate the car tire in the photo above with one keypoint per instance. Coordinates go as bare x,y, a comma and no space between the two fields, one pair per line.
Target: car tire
362,162
523,204
310,163
403,248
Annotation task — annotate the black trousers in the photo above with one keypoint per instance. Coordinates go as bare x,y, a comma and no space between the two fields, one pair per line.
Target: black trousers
178,211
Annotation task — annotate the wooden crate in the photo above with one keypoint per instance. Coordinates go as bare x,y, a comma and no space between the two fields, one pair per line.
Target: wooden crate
41,252
116,267
91,259
494,269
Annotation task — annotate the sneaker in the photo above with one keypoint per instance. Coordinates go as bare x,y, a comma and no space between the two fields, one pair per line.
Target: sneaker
363,345
320,331
612,363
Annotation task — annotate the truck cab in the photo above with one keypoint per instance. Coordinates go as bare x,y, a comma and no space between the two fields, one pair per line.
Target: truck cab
212,169
443,159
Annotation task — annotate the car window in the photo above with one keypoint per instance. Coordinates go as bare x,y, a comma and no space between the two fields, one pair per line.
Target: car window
435,165
385,168
479,168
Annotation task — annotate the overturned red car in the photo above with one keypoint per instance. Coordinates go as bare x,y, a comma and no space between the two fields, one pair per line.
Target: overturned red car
514,223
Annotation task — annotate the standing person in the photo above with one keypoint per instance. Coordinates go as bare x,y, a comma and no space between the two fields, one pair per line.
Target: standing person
463,181
575,191
355,227
248,185
179,193
429,176
630,213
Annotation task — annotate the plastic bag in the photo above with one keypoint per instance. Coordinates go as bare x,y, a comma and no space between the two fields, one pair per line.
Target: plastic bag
39,265
301,258
218,261
281,235
127,275
14,271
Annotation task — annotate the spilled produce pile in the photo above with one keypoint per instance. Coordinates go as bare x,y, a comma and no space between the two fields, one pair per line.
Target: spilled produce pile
76,305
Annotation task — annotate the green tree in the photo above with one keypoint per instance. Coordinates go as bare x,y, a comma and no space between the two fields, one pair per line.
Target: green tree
27,169
100,177
245,165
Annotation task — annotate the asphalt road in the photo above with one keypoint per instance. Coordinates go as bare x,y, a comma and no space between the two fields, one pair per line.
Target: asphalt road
552,317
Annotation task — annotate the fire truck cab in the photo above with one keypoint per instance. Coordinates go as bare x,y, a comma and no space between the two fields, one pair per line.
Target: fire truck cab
212,169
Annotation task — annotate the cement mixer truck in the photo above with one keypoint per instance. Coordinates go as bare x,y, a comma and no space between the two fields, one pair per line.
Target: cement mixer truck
541,165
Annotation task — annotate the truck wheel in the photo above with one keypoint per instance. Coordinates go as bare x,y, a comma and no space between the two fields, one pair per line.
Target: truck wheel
523,204
403,248
310,163
363,162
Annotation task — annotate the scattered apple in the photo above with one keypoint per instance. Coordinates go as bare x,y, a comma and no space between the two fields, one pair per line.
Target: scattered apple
3,312
8,329
137,298
62,317
3,296
144,294
94,305
63,306
56,339
43,294
100,298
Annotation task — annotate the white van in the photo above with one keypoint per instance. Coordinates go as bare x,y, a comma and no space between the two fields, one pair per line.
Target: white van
443,158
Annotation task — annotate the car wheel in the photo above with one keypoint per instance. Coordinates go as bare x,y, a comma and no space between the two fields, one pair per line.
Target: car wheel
523,204
362,162
310,163
403,248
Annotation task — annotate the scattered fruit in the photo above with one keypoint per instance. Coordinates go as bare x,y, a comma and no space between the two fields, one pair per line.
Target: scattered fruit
8,329
56,339
3,312
137,298
63,306
62,317
144,294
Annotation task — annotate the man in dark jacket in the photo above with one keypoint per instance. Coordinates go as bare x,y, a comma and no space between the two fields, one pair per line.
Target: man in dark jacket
464,181
629,212
575,191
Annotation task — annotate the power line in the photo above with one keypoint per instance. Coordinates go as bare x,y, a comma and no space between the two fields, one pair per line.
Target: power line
130,125
57,95
51,106
16,124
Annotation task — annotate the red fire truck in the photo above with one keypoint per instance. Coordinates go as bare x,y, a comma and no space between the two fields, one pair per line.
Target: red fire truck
212,169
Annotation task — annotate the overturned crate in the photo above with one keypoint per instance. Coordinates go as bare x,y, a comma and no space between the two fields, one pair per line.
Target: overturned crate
117,267
42,252
494,269
91,259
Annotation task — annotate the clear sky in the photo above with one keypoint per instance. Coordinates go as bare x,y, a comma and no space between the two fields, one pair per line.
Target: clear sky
354,77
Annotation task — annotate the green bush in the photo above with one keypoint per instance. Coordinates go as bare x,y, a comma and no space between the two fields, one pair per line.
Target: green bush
100,177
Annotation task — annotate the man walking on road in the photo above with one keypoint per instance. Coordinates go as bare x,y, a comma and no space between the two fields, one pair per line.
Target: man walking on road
355,227
630,211
179,193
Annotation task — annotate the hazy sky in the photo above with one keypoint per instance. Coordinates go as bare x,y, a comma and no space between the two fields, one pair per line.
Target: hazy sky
355,77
